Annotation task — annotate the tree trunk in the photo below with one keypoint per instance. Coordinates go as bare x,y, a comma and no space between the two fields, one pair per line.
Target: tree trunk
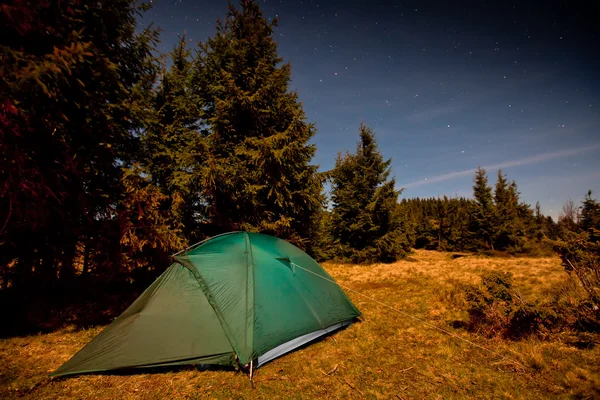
66,267
86,260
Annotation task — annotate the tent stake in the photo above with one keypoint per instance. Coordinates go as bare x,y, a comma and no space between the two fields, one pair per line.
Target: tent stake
251,371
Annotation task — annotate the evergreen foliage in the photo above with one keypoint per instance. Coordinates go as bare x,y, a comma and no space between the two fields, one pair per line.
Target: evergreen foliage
257,174
74,81
173,147
509,215
482,221
149,230
365,223
590,217
580,255
438,223
458,224
495,308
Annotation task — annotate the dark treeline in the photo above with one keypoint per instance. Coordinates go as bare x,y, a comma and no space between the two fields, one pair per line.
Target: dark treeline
495,219
114,158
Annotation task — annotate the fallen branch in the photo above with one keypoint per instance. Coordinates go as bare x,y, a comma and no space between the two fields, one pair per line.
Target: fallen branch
342,379
333,370
349,384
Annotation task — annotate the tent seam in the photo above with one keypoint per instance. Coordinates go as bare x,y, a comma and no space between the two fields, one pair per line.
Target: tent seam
209,298
249,307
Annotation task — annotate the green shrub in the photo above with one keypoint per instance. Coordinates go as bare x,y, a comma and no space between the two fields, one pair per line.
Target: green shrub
580,255
496,309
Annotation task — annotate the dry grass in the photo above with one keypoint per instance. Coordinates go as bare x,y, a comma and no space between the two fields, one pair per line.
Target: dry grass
386,356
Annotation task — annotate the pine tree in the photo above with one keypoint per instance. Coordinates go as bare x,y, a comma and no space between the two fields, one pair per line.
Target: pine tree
365,217
482,221
460,227
150,231
73,89
258,174
160,208
322,248
174,146
590,217
501,195
506,221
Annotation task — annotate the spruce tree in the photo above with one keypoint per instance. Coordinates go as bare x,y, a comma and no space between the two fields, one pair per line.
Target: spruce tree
174,145
590,217
501,195
74,81
160,208
258,174
523,218
482,219
149,230
365,220
505,221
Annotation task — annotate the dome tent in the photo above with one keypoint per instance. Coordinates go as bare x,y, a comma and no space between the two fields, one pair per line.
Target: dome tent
235,298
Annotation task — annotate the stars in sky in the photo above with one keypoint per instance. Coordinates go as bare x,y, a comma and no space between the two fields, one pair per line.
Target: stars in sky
446,87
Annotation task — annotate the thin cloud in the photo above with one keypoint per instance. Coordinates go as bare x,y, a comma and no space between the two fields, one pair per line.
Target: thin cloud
436,112
507,164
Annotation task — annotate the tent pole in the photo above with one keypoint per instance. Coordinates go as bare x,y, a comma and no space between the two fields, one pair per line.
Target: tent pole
251,371
200,242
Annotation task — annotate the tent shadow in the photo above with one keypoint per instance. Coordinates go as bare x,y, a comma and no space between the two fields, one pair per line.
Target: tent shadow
77,304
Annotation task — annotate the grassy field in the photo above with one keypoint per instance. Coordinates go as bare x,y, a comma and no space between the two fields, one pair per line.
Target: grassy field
387,355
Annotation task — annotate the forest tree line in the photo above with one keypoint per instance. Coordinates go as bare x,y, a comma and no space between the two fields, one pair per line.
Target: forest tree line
115,157
494,219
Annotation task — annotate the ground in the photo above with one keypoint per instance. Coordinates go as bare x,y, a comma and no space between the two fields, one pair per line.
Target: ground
387,355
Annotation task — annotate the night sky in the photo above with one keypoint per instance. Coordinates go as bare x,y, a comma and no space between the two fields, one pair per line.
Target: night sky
446,87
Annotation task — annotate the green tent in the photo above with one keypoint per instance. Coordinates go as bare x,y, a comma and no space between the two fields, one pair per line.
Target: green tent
236,298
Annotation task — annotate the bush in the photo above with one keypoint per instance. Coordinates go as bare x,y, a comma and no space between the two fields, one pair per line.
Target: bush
570,300
580,256
496,309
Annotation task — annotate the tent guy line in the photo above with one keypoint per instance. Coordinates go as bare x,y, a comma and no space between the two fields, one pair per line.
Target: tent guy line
424,322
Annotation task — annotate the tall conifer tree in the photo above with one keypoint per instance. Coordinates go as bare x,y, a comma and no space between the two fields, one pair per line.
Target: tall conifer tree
174,144
505,213
258,174
159,213
482,219
590,217
74,81
365,220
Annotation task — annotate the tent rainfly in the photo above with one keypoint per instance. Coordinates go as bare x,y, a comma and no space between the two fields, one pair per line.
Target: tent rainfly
235,298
